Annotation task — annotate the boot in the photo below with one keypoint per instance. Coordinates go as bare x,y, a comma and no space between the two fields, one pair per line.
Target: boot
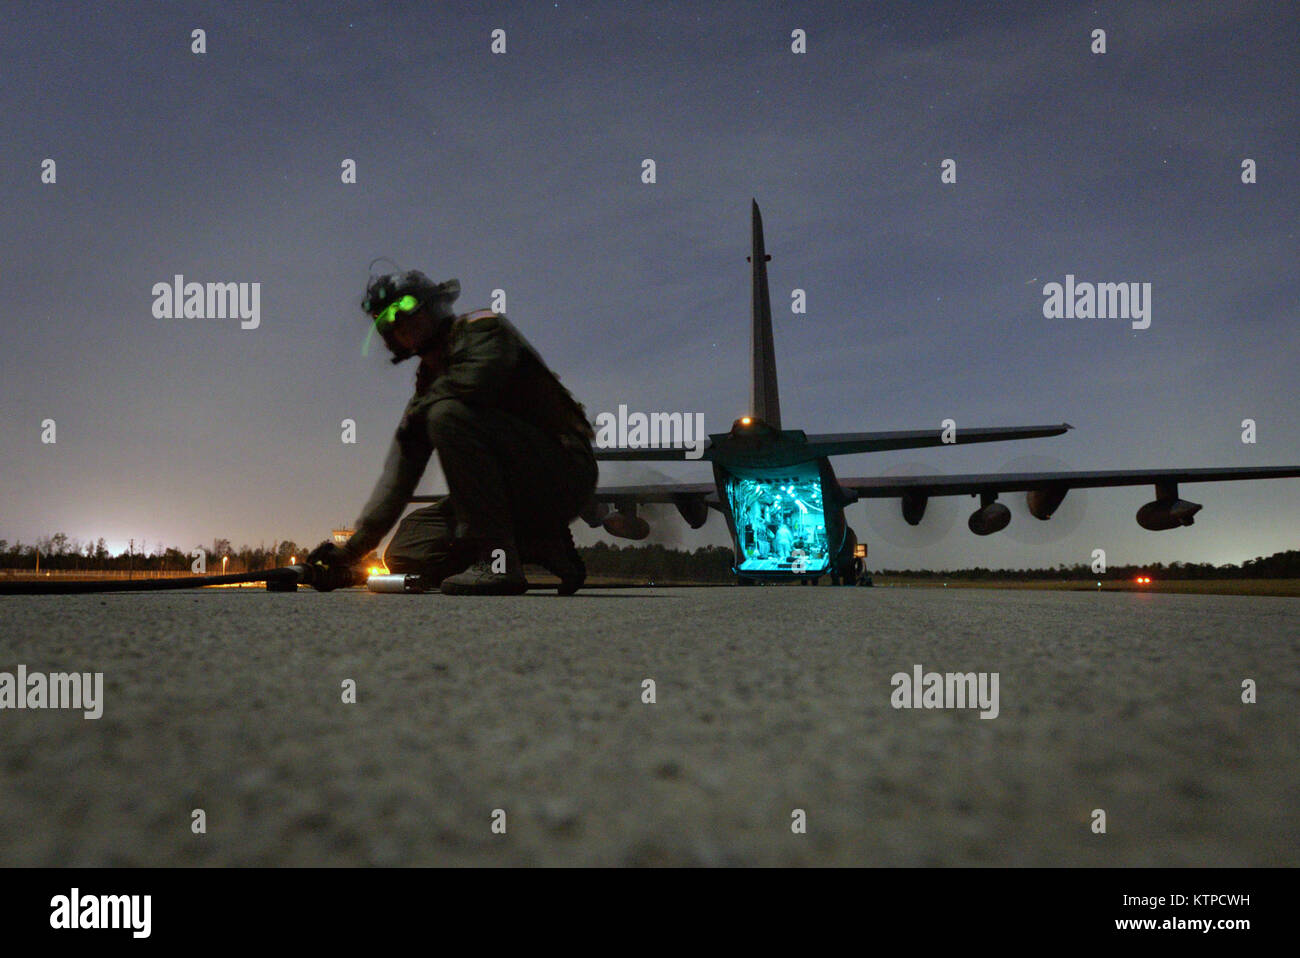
480,579
558,557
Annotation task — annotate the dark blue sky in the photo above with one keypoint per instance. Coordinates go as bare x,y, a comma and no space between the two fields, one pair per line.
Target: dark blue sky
522,171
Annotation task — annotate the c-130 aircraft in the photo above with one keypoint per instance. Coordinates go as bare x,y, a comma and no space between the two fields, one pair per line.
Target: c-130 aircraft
784,505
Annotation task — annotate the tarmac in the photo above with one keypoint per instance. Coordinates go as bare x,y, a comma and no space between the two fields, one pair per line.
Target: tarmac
529,714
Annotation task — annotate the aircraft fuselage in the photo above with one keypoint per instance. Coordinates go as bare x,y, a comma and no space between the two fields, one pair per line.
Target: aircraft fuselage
784,509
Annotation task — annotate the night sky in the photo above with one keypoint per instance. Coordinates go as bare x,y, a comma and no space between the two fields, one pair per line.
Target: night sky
522,171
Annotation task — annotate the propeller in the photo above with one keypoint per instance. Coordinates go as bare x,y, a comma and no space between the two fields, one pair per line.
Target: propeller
666,526
885,516
1024,528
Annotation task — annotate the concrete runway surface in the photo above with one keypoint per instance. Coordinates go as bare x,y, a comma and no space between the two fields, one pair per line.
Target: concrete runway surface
768,700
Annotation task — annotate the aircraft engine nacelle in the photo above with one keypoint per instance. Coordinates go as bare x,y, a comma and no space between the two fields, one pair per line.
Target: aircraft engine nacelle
1167,514
914,507
695,511
989,518
594,512
1043,502
626,524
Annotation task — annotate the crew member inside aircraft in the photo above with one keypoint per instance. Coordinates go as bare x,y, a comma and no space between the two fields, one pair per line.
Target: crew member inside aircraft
784,541
513,443
762,538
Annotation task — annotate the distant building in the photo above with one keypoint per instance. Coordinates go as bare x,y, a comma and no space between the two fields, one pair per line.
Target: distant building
341,536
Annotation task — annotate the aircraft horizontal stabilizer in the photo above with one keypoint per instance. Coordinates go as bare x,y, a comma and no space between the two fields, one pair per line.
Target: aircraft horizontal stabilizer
847,443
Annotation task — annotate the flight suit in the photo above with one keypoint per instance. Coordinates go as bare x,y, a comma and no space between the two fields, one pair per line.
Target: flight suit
513,443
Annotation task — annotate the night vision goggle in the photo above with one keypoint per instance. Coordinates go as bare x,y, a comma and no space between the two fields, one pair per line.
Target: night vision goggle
386,317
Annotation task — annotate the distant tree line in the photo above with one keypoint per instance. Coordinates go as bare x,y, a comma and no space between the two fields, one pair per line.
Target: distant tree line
59,552
656,562
1280,565
649,562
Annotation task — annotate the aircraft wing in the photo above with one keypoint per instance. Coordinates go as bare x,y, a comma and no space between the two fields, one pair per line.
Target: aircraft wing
978,484
668,492
614,507
647,454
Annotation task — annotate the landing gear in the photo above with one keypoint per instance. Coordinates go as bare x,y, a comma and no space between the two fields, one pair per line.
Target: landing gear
851,564
852,572
849,573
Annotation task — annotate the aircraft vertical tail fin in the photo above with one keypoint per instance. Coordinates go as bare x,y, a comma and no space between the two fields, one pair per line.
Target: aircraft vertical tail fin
765,402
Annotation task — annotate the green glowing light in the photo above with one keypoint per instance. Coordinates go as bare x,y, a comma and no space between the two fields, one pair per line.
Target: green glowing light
387,317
